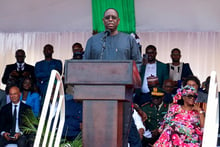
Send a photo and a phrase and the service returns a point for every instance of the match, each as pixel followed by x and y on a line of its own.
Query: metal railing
pixel 54 105
pixel 212 114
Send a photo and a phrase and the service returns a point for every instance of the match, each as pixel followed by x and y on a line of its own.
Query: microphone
pixel 106 33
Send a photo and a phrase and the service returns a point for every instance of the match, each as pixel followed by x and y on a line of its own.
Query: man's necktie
pixel 19 67
pixel 14 120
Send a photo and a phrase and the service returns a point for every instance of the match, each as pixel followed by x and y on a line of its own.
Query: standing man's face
pixel 151 55
pixel 20 56
pixel 77 48
pixel 175 56
pixel 111 20
pixel 48 52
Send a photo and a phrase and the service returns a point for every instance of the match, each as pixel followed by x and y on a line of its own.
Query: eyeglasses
pixel 174 54
pixel 111 16
pixel 192 96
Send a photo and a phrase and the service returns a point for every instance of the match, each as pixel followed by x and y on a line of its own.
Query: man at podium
pixel 114 45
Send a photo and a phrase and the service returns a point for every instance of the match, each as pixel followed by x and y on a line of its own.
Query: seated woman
pixel 183 123
pixel 29 96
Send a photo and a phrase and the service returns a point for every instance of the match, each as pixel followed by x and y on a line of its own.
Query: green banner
pixel 125 9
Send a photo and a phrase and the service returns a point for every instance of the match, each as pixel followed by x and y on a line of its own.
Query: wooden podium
pixel 106 89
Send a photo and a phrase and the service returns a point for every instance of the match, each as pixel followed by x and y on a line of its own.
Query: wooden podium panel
pixel 106 89
pixel 104 122
pixel 101 72
pixel 102 92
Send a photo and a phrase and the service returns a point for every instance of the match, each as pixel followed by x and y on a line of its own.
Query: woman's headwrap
pixel 184 91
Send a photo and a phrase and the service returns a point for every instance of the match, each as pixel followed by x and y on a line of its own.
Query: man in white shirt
pixel 178 71
pixel 153 73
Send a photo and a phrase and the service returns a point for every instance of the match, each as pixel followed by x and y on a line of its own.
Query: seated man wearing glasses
pixel 18 70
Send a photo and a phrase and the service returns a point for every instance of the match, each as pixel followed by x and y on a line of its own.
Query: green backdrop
pixel 125 9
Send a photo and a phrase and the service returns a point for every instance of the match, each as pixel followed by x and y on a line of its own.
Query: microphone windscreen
pixel 107 32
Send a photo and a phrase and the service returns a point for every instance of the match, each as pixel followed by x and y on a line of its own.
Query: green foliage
pixel 30 122
pixel 77 142
pixel 30 127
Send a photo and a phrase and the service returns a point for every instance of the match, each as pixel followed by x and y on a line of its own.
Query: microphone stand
pixel 106 33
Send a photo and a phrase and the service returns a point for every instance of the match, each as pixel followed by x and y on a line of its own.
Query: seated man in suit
pixel 18 70
pixel 11 120
pixel 178 71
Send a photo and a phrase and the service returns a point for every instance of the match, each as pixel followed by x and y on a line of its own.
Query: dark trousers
pixel 21 141
pixel 134 137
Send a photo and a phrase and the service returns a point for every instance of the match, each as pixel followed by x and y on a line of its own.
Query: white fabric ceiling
pixel 75 15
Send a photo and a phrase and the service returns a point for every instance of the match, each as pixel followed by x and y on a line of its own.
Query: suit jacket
pixel 9 68
pixel 162 72
pixel 186 71
pixel 2 98
pixel 6 116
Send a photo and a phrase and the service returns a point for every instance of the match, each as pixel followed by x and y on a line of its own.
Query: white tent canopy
pixel 76 15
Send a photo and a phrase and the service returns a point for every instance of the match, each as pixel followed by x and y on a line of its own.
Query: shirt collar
pixel 22 64
pixel 18 104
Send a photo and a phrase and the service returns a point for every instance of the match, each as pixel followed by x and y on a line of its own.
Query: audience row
pixel 157 78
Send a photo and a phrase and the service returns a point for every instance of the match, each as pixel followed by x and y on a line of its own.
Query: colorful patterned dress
pixel 180 128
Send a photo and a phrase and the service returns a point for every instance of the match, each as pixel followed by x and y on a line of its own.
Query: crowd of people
pixel 169 108
pixel 31 84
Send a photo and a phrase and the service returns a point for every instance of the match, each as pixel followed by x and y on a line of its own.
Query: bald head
pixel 14 93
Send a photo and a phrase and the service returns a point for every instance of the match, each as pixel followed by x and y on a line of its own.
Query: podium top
pixel 102 72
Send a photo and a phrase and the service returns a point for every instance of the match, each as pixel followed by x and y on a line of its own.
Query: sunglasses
pixel 111 16
pixel 192 96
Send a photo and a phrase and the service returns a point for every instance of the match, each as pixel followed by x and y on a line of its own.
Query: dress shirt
pixel 20 66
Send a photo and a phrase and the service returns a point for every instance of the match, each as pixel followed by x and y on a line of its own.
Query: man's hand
pixel 155 133
pixel 26 74
pixel 14 73
pixel 143 115
pixel 6 136
pixel 141 133
pixel 16 136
